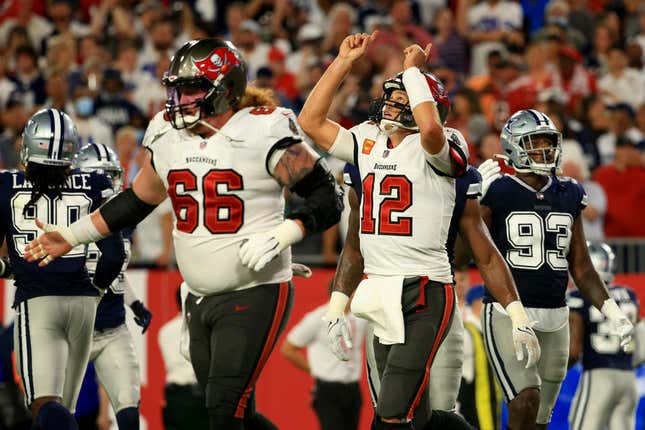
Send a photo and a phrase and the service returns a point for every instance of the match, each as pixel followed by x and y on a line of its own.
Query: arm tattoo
pixel 350 264
pixel 296 162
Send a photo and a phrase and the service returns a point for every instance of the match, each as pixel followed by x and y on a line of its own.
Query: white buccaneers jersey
pixel 222 193
pixel 406 207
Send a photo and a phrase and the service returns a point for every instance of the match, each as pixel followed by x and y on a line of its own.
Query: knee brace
pixel 54 416
pixel 128 419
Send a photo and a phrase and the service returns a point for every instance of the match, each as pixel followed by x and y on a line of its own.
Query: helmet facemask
pixel 403 119
pixel 187 115
pixel 541 160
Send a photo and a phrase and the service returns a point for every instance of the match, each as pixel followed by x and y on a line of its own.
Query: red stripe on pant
pixel 281 306
pixel 447 311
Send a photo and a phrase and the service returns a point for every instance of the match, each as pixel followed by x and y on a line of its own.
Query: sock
pixel 258 422
pixel 128 419
pixel 444 420
pixel 54 416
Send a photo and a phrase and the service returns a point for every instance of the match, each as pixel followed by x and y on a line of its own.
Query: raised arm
pixel 313 116
pixel 126 209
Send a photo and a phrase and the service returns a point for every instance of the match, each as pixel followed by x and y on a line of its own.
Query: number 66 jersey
pixel 222 191
pixel 532 230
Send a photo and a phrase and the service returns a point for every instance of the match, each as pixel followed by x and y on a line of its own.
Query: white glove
pixel 338 336
pixel 301 270
pixel 257 251
pixel 523 335
pixel 490 171
pixel 621 325
pixel 184 333
pixel 340 341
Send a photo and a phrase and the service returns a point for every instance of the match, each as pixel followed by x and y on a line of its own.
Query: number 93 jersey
pixel 532 230
pixel 222 193
pixel 407 207
pixel 601 348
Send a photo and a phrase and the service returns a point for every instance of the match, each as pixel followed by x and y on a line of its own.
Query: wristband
pixel 81 232
pixel 416 87
pixel 611 310
pixel 287 233
pixel 516 312
pixel 337 303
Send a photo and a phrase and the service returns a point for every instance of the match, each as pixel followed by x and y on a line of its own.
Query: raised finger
pixel 428 48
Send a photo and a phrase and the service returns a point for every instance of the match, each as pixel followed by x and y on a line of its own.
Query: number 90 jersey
pixel 532 230
pixel 406 207
pixel 222 192
pixel 601 348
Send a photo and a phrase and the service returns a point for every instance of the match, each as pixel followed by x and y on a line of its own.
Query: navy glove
pixel 142 315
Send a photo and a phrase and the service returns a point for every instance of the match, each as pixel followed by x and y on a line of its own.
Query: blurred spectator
pixel 14 117
pixel 593 216
pixel 247 39
pixel 160 43
pixel 127 148
pixel 264 78
pixel 184 399
pixel 90 128
pixel 466 116
pixel 557 25
pixel 622 84
pixel 127 63
pixel 595 123
pixel 581 18
pixel 572 77
pixel 336 394
pixel 635 58
pixel 18 38
pixel 602 43
pixel 624 184
pixel 621 123
pixel 57 92
pixel 284 82
pixel 37 27
pixel 61 14
pixel 7 86
pixel 533 11
pixel 489 146
pixel 29 82
pixel 152 246
pixel 150 95
pixel 449 44
pixel 640 119
pixel 340 23
pixel 61 54
pixel 640 37
pixel 235 16
pixel 524 91
pixel 491 23
pixel 111 105
pixel 408 31
pixel 309 39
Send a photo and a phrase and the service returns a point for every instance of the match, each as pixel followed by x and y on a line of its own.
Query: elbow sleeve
pixel 323 199
pixel 125 210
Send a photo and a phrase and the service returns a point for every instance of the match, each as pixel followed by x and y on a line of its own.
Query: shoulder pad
pixel 157 127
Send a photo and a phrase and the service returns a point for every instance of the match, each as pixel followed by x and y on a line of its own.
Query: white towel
pixel 378 299
pixel 184 335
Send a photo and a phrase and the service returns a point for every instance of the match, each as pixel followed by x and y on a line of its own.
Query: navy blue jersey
pixel 600 348
pixel 532 230
pixel 111 310
pixel 65 276
pixel 468 186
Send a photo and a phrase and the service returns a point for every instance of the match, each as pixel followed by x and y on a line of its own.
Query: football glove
pixel 142 316
pixel 257 251
pixel 339 338
pixel 523 335
pixel 621 325
pixel 490 171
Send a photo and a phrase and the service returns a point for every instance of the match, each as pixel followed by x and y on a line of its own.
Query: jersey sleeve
pixel 581 198
pixel 281 130
pixel 474 179
pixel 102 183
pixel 157 127
pixel 305 331
pixel 452 160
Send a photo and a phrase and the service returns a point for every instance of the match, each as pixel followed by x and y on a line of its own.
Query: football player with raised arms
pixel 607 395
pixel 534 219
pixel 55 304
pixel 224 158
pixel 115 359
pixel 407 169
